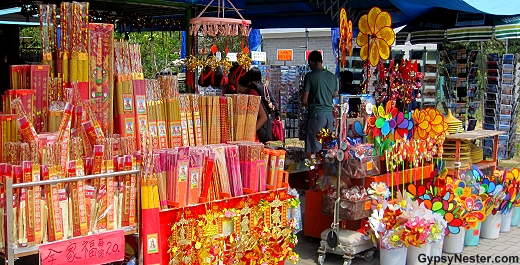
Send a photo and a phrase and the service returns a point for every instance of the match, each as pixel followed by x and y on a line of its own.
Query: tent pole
pixel 482 75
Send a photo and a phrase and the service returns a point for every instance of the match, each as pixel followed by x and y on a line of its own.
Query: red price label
pixel 87 250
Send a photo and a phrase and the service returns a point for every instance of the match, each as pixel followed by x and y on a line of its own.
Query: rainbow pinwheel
pixel 404 125
pixel 376 36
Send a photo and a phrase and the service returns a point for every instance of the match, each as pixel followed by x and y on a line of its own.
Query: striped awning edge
pixel 483 33
pixel 427 36
pixel 401 37
pixel 503 32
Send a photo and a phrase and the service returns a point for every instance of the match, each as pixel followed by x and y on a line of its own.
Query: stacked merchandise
pixel 61 211
pixel 507 103
pixel 458 96
pixel 500 104
pixel 492 108
pixel 508 106
pixel 474 90
pixel 287 85
pixel 191 175
pixel 302 118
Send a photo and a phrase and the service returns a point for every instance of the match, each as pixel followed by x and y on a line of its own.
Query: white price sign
pixel 259 56
pixel 232 56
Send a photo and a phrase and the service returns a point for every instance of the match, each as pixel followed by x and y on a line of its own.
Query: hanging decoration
pixel 345 41
pixel 376 36
pixel 219 26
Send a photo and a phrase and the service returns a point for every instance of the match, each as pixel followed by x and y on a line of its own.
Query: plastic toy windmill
pixel 345 39
pixel 375 36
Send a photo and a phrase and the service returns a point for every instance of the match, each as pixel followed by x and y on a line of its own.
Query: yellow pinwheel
pixel 375 35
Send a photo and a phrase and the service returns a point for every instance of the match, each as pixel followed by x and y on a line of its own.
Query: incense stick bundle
pixel 66 30
pixel 251 117
pixel 222 171
pixel 48 28
pixel 195 176
pixel 160 167
pixel 224 122
pixel 101 84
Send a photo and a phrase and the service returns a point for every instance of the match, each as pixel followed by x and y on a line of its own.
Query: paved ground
pixel 508 244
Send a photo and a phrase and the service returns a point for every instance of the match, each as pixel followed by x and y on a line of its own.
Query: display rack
pixel 470 136
pixel 12 252
pixel 428 66
pixel 501 103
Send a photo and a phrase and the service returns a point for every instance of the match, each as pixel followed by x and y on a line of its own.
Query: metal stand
pixel 12 251
pixel 332 245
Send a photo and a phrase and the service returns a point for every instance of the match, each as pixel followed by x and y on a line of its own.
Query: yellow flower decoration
pixel 376 34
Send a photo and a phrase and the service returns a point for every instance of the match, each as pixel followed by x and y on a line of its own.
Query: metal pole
pixel 9 258
pixel 482 63
pixel 65 180
pixel 507 45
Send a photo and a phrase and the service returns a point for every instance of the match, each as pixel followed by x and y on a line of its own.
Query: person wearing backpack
pixel 264 132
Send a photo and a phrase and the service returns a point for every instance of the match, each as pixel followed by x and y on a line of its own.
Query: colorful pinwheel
pixel 404 125
pixel 375 36
pixel 429 122
pixel 345 41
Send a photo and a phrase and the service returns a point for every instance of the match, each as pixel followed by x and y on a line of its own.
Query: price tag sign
pixel 87 250
pixel 285 54
pixel 259 56
pixel 232 56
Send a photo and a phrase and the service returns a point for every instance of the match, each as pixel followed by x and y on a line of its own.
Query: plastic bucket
pixel 436 248
pixel 392 256
pixel 516 216
pixel 418 256
pixel 454 243
pixel 505 222
pixel 472 236
pixel 491 226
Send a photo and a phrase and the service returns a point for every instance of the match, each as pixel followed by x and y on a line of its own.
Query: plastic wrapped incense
pixel 48 34
pixel 65 210
pixel 162 182
pixel 37 194
pixel 224 122
pixel 101 83
pixel 223 185
pixel 195 181
pixel 182 176
pixel 66 21
pixel 251 117
pixel 233 167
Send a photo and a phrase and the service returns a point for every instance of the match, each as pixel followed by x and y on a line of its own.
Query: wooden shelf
pixel 481 165
pixel 417 173
pixel 473 135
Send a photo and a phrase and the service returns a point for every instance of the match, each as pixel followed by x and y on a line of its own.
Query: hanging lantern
pixel 220 26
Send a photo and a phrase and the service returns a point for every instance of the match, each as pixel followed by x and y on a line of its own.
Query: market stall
pixel 92 152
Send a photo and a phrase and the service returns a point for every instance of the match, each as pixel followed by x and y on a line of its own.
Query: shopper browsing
pixel 320 87
pixel 264 132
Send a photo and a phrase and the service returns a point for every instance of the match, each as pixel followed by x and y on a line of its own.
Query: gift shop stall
pixel 411 178
pixel 97 160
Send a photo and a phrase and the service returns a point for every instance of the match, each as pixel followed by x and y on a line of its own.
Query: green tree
pixel 158 49
pixel 30 37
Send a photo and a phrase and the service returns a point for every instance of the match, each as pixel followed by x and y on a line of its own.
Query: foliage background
pixel 158 49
